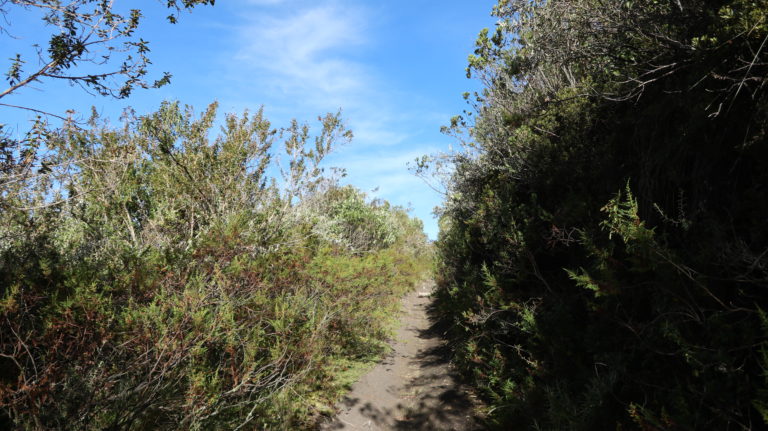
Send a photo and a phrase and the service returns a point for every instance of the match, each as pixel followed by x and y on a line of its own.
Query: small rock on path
pixel 414 387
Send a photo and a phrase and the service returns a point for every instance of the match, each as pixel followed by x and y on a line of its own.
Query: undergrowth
pixel 603 247
pixel 154 277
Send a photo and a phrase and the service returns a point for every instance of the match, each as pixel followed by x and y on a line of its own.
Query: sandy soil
pixel 414 387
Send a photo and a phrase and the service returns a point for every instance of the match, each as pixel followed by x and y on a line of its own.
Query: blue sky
pixel 396 69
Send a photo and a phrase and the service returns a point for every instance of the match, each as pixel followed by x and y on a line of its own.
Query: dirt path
pixel 413 388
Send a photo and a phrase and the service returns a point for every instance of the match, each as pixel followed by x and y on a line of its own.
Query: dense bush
pixel 344 217
pixel 152 276
pixel 603 243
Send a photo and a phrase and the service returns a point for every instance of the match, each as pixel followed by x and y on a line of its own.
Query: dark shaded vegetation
pixel 604 245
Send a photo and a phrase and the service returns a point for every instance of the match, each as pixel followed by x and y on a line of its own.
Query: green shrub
pixel 177 284
pixel 602 244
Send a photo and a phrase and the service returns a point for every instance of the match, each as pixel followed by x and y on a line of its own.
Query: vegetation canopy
pixel 165 279
pixel 603 243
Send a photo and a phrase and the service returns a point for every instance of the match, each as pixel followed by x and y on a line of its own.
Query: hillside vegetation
pixel 159 275
pixel 604 245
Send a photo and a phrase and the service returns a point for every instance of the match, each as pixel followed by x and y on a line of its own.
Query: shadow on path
pixel 414 387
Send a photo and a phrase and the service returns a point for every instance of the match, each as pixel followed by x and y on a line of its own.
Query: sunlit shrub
pixel 180 285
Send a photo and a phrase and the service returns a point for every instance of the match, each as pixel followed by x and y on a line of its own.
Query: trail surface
pixel 414 387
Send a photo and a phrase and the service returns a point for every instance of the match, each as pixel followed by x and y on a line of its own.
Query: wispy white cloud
pixel 372 132
pixel 384 171
pixel 303 52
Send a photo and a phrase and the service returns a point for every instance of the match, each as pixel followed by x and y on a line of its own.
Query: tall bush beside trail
pixel 602 243
pixel 342 216
pixel 159 277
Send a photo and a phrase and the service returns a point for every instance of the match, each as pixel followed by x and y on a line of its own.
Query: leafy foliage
pixel 157 276
pixel 90 43
pixel 88 35
pixel 602 245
